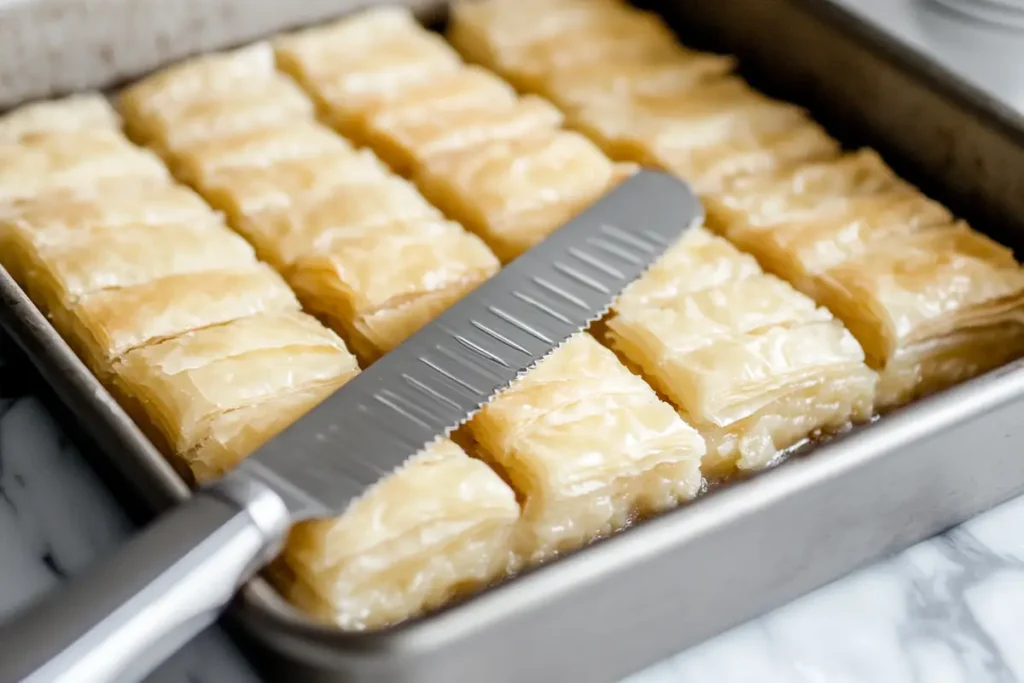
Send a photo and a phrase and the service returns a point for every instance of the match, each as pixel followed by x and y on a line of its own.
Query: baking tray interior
pixel 737 552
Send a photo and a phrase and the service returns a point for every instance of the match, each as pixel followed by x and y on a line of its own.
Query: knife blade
pixel 126 616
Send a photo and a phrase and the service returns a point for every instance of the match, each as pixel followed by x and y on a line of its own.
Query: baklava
pixel 494 161
pixel 754 365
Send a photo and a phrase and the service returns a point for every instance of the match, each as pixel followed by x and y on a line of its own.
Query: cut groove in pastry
pixel 588 446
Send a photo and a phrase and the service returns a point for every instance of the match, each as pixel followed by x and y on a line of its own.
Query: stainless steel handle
pixel 132 611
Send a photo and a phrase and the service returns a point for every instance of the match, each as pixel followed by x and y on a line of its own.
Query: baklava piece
pixel 191 389
pixel 588 446
pixel 931 302
pixel 622 79
pixel 358 62
pixel 932 308
pixel 382 284
pixel 801 223
pixel 72 160
pixel 526 46
pixel 434 530
pixel 260 147
pixel 210 97
pixel 515 193
pixel 753 364
pixel 89 111
pixel 363 248
pixel 456 108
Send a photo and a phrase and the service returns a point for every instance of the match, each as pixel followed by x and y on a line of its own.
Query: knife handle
pixel 133 610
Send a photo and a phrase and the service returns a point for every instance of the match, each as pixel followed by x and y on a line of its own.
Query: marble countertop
pixel 949 610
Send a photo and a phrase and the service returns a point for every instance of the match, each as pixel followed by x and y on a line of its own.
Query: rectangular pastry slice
pixel 261 147
pixel 432 531
pixel 931 308
pixel 210 76
pixel 246 191
pixel 580 86
pixel 105 325
pixel 754 365
pixel 407 140
pixel 212 96
pixel 380 285
pixel 88 111
pixel 468 87
pixel 58 215
pixel 710 114
pixel 524 46
pixel 185 386
pixel 347 212
pixel 710 168
pixel 361 60
pixel 57 274
pixel 72 159
pixel 588 446
pixel 514 193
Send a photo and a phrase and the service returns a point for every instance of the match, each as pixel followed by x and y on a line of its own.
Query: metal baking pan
pixel 671 582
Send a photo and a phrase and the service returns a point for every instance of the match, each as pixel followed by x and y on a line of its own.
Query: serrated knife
pixel 134 610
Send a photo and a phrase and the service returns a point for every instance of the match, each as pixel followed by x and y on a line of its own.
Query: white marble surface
pixel 950 610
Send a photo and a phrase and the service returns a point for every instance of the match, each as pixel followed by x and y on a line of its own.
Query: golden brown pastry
pixel 946 290
pixel 58 215
pixel 316 222
pixel 524 46
pixel 577 87
pixel 88 111
pixel 382 284
pixel 212 96
pixel 754 365
pixel 468 87
pixel 407 139
pixel 438 527
pixel 58 273
pixel 71 159
pixel 188 384
pixel 588 446
pixel 246 191
pixel 515 193
pixel 259 147
pixel 358 61
pixel 105 325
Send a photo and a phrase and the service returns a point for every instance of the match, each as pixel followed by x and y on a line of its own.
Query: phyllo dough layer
pixel 621 77
pixel 496 162
pixel 515 193
pixel 931 301
pixel 437 528
pixel 362 247
pixel 588 446
pixel 87 111
pixel 753 364
pixel 189 385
